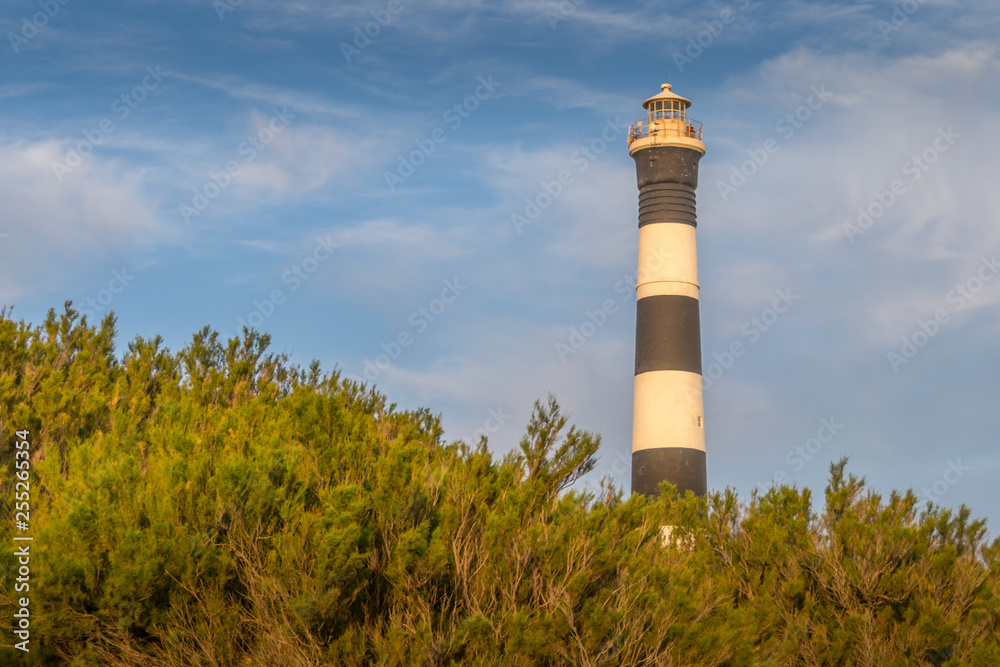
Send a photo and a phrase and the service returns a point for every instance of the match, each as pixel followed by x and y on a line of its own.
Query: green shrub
pixel 220 506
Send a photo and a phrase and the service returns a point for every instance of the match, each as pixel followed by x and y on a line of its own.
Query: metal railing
pixel 680 127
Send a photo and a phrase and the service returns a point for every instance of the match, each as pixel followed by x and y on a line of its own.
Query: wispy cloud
pixel 56 230
pixel 299 100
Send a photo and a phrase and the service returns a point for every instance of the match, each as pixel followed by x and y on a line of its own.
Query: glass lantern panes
pixel 661 109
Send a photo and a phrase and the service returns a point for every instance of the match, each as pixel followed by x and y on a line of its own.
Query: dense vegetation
pixel 220 506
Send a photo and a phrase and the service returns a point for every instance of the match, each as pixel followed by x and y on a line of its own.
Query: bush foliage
pixel 221 506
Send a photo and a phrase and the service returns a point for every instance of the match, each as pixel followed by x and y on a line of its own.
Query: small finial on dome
pixel 665 86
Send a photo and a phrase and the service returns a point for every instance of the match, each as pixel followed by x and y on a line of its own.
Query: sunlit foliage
pixel 221 506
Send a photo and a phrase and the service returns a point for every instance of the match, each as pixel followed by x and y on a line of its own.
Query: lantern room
pixel 666 105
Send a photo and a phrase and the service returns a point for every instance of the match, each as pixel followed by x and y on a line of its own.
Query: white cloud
pixel 303 158
pixel 16 90
pixel 303 101
pixel 591 220
pixel 393 236
pixel 98 214
pixel 903 265
pixel 510 362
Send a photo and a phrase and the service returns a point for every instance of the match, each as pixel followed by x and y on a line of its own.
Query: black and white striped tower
pixel 668 427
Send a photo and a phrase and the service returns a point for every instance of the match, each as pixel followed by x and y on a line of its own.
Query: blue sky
pixel 195 162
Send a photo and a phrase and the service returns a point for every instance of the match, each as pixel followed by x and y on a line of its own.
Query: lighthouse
pixel 668 425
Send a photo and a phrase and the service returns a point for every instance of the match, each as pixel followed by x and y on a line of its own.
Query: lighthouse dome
pixel 666 95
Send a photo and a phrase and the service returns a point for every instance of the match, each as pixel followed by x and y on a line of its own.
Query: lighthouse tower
pixel 668 427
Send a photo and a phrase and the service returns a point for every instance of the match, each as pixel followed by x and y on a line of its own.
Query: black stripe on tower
pixel 667 202
pixel 667 164
pixel 688 471
pixel 667 334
